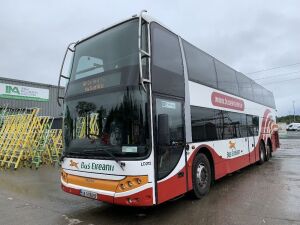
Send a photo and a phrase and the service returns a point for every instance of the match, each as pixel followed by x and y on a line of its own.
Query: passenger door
pixel 169 148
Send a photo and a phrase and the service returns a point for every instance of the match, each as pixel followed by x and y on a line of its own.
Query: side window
pixel 268 98
pixel 255 121
pixel 231 127
pixel 200 65
pixel 271 100
pixel 226 78
pixel 166 52
pixel 245 87
pixel 258 93
pixel 174 111
pixel 252 125
pixel 170 134
pixel 203 124
pixel 167 67
pixel 243 125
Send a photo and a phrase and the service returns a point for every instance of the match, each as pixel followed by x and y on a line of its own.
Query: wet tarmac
pixel 267 194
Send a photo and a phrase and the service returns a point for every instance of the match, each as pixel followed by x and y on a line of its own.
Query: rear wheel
pixel 201 176
pixel 270 147
pixel 262 153
pixel 268 152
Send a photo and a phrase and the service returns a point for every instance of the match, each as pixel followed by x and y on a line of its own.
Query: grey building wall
pixel 49 108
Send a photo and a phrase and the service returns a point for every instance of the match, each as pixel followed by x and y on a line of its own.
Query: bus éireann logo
pixel 74 164
pixel 231 144
pixel 11 90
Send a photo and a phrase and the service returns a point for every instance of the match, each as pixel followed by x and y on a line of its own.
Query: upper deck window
pixel 245 87
pixel 167 67
pixel 111 50
pixel 166 50
pixel 200 66
pixel 226 78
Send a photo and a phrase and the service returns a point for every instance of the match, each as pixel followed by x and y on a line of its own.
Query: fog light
pixel 138 180
pixel 122 186
pixel 129 183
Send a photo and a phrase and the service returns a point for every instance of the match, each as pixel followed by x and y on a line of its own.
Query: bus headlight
pixel 131 182
pixel 138 180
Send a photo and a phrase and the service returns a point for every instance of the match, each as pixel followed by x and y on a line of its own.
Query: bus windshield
pixel 105 107
pixel 110 50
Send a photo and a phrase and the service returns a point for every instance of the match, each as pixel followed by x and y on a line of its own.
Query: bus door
pixel 170 156
pixel 251 138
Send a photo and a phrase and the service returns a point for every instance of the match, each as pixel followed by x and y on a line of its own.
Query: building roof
pixel 28 82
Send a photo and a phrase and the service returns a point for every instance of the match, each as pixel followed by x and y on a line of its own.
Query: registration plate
pixel 88 194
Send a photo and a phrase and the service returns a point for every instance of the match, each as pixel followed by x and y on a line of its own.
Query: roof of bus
pixel 145 17
pixel 149 19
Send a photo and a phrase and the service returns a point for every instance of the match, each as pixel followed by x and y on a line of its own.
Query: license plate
pixel 88 194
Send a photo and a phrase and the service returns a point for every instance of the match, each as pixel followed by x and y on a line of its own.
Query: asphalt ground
pixel 266 194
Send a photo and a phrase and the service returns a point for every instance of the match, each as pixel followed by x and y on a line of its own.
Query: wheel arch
pixel 204 150
pixel 263 142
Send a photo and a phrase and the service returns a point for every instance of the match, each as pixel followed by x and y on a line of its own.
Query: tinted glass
pixel 268 98
pixel 226 78
pixel 107 51
pixel 258 93
pixel 107 60
pixel 203 124
pixel 271 100
pixel 231 126
pixel 116 121
pixel 167 68
pixel 166 52
pixel 252 125
pixel 211 124
pixel 245 87
pixel 243 125
pixel 200 65
pixel 170 136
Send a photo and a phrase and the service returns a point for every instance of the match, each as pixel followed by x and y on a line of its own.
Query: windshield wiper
pixel 90 151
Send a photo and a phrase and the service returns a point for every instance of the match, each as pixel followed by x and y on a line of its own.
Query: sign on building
pixel 12 91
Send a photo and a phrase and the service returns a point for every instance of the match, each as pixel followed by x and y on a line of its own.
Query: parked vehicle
pixel 149 116
pixel 293 127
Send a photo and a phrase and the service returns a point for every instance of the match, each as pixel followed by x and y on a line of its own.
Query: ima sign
pixel 12 89
pixel 23 92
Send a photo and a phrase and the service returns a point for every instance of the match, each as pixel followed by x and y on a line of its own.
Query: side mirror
pixel 163 129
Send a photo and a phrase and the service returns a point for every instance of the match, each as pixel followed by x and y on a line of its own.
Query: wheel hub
pixel 202 175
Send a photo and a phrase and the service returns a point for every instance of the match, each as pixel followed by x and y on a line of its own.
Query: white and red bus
pixel 149 117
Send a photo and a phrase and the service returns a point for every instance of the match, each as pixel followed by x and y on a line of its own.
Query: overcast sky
pixel 247 35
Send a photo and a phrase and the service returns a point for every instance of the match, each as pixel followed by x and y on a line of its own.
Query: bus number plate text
pixel 88 194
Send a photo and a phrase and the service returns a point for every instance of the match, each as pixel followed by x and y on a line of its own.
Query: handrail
pixel 141 51
pixel 61 69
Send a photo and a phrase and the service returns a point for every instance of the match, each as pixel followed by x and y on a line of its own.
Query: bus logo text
pixel 97 166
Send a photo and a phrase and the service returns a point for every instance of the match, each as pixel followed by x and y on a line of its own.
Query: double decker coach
pixel 149 116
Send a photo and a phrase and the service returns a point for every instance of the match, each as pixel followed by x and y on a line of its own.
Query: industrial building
pixel 19 94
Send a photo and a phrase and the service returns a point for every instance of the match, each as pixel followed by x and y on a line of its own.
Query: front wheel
pixel 201 176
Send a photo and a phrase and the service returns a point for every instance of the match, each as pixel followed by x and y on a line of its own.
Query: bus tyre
pixel 268 152
pixel 201 176
pixel 270 149
pixel 262 153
